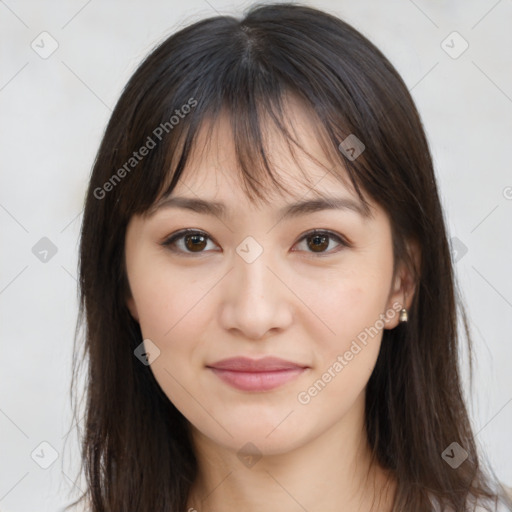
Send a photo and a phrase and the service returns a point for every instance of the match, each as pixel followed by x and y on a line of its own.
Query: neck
pixel 330 472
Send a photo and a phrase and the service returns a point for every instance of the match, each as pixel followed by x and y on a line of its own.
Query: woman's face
pixel 257 284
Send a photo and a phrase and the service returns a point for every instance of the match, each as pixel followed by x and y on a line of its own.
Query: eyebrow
pixel 297 209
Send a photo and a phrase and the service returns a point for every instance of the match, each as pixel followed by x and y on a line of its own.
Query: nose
pixel 256 300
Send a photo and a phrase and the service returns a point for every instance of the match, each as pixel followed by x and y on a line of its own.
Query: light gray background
pixel 53 113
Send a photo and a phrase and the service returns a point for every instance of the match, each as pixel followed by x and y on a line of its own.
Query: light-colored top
pixel 501 507
pixel 478 506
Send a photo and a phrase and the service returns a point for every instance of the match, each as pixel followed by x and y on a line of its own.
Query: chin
pixel 260 438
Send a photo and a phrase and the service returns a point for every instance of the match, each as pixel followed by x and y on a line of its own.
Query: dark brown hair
pixel 136 449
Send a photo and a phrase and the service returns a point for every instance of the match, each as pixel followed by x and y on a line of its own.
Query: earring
pixel 403 312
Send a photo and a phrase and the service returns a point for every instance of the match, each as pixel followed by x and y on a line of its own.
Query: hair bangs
pixel 254 120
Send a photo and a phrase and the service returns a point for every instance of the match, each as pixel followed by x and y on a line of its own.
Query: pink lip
pixel 256 374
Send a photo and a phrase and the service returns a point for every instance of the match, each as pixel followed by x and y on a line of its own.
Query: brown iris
pixel 195 242
pixel 320 242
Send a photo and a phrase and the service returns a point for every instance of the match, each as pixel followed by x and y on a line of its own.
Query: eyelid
pixel 169 240
pixel 340 239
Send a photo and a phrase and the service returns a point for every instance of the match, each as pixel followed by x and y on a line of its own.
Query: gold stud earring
pixel 403 312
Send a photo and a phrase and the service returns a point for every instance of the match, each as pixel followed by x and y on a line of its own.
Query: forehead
pixel 307 166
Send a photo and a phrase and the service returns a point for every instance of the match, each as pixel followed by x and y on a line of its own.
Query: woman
pixel 266 284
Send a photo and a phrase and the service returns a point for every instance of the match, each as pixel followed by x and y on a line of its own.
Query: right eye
pixel 187 241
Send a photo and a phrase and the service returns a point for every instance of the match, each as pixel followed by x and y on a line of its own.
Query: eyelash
pixel 170 242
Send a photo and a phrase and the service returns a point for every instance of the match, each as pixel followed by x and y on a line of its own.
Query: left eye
pixel 319 241
pixel 195 241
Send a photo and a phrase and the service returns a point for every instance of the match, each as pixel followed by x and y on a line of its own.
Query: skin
pixel 290 302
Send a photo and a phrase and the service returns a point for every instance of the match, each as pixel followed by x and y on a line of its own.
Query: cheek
pixel 346 358
pixel 166 299
pixel 154 308
pixel 171 307
pixel 353 303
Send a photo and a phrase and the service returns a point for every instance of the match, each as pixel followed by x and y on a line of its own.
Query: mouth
pixel 256 374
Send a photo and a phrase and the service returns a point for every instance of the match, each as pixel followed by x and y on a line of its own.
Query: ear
pixel 403 287
pixel 130 303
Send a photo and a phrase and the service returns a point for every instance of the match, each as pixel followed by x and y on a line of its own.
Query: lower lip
pixel 257 381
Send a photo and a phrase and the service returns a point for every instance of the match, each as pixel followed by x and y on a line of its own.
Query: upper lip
pixel 246 364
